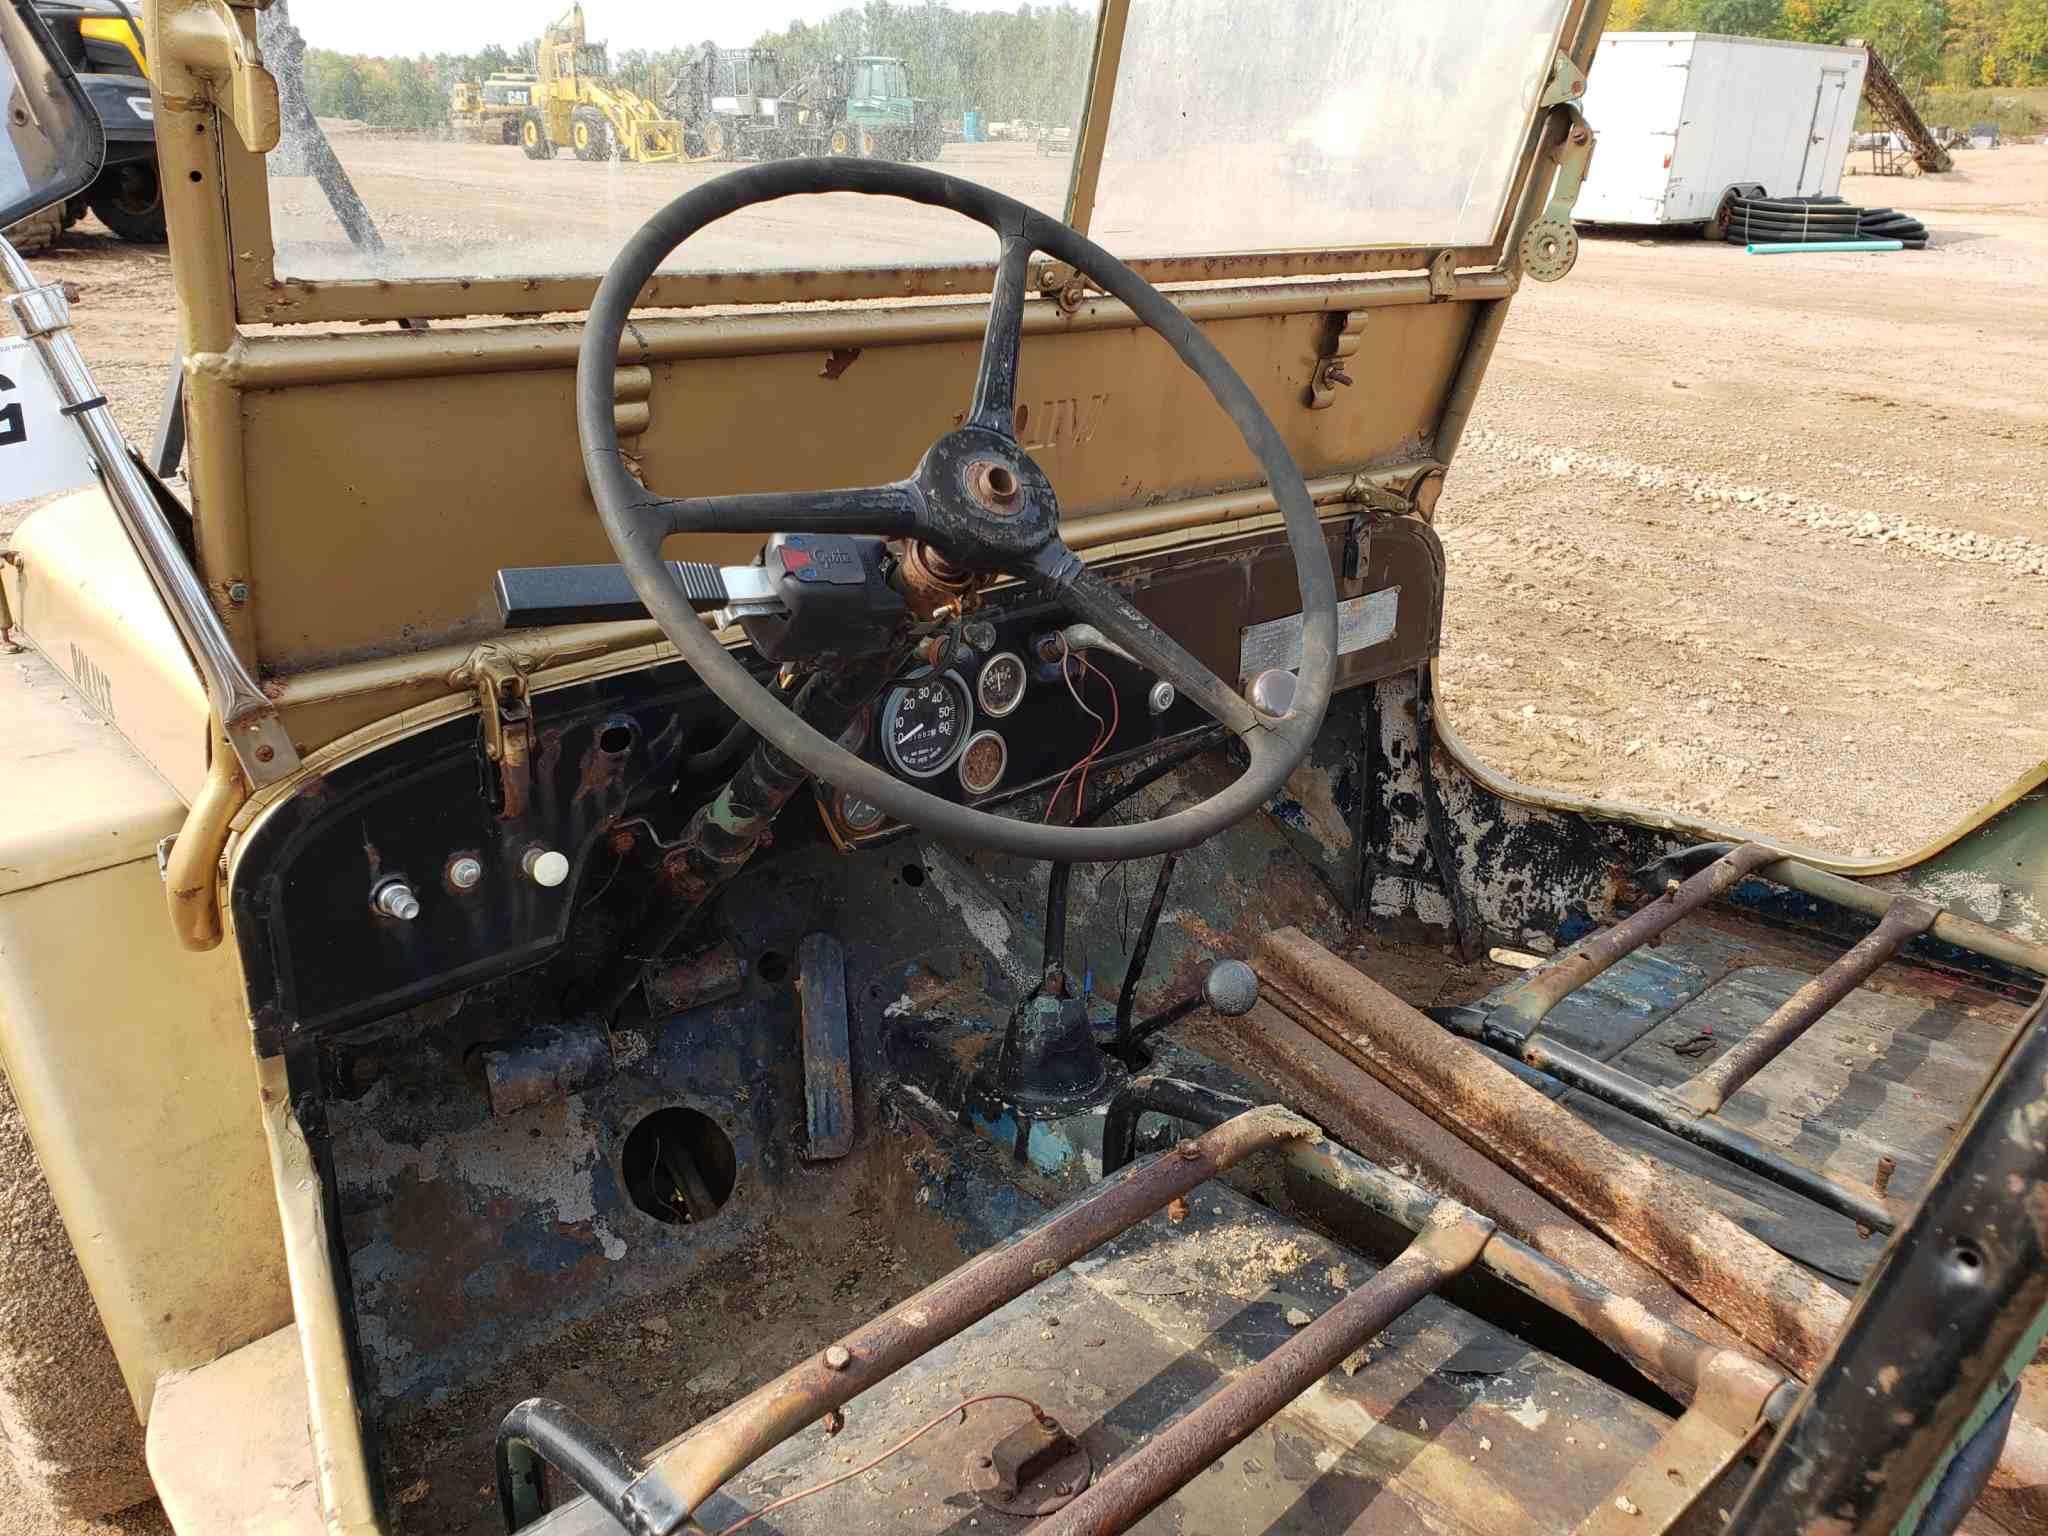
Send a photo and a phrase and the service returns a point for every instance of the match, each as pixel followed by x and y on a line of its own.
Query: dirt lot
pixel 1758 537
pixel 1763 537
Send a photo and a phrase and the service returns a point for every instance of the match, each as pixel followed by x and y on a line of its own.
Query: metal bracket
pixel 1443 277
pixel 1550 246
pixel 506 709
pixel 1330 373
pixel 1567 83
pixel 1366 491
pixel 1067 285
pixel 1725 1420
pixel 202 55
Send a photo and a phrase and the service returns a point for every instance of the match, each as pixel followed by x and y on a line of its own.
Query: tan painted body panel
pixel 130 1059
pixel 455 472
pixel 78 590
pixel 256 1482
pixel 75 797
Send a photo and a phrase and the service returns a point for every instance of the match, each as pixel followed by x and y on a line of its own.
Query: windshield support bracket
pixel 207 58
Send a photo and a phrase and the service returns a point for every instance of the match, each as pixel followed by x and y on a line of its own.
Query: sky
pixel 462 26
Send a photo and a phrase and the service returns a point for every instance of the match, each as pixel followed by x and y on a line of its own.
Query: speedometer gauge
pixel 924 724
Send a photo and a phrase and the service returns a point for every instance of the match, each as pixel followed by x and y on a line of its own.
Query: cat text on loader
pixel 578 107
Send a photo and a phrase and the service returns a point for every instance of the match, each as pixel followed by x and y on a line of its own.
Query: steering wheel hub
pixel 994 487
pixel 976 507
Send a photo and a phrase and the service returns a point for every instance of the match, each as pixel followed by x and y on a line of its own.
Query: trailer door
pixel 1827 107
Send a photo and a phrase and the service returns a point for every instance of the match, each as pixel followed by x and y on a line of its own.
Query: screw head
pixel 465 873
pixel 838 1358
pixel 394 898
pixel 1161 698
pixel 238 592
pixel 265 752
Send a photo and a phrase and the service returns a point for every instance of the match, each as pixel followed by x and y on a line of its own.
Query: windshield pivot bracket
pixel 208 58
pixel 1332 368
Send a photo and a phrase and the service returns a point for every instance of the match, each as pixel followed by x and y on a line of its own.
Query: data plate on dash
pixel 1361 621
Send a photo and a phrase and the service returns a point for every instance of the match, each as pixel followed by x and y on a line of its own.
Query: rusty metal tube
pixel 1139 1483
pixel 1963 932
pixel 1661 1349
pixel 696 1466
pixel 1361 1112
pixel 1708 1090
pixel 1651 1336
pixel 1526 1004
pixel 1773 1303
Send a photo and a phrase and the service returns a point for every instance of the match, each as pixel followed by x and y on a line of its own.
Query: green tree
pixel 2022 51
pixel 1907 35
pixel 334 84
pixel 1818 21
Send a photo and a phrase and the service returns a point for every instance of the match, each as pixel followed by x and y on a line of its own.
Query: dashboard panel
pixel 328 943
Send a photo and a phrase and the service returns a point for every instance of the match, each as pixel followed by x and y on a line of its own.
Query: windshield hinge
pixel 1567 83
pixel 506 710
pixel 1550 246
pixel 1331 372
pixel 207 57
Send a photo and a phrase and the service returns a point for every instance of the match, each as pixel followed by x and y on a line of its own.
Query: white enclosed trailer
pixel 1680 118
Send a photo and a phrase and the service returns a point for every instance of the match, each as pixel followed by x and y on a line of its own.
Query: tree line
pixel 1028 63
pixel 1956 44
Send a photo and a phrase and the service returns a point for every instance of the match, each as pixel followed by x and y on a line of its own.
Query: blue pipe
pixel 1797 248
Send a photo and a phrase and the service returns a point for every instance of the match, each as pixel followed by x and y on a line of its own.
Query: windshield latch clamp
pixel 505 708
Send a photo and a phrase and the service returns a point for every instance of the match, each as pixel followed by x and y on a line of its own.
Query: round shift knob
pixel 1232 987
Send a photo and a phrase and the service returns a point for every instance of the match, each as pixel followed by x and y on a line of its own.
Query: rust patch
pixel 710 977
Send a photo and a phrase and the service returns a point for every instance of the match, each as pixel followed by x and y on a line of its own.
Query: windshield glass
pixel 1319 125
pixel 1291 124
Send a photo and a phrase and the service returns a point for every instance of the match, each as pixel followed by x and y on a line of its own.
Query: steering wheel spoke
pixel 995 380
pixel 1063 575
pixel 884 511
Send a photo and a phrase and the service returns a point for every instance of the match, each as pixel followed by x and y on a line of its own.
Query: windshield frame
pixel 263 296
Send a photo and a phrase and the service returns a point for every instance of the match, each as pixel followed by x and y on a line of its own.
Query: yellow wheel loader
pixel 578 107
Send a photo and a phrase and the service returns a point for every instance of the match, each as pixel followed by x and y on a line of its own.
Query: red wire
pixel 1116 719
pixel 908 1440
pixel 1060 788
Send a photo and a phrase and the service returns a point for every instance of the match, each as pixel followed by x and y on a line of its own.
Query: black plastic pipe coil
pixel 1805 220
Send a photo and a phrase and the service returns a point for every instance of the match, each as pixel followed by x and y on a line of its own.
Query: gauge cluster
pixel 999 718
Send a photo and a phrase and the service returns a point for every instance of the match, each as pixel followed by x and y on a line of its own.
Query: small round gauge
pixel 1000 688
pixel 982 764
pixel 924 724
pixel 859 816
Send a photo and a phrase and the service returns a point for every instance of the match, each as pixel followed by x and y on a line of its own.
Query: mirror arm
pixel 258 737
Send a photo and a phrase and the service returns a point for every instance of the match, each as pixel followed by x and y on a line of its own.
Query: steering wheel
pixel 976 498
